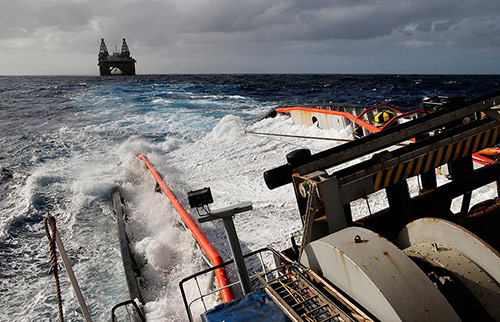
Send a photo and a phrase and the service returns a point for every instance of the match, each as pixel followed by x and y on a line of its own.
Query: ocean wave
pixel 68 140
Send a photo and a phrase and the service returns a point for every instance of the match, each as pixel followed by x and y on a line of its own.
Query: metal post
pixel 428 178
pixel 234 243
pixel 227 214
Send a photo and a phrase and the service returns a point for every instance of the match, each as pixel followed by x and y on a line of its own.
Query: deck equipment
pixel 416 260
pixel 390 261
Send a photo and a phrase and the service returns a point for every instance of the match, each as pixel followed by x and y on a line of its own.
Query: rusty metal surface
pixel 430 230
pixel 484 220
pixel 482 286
pixel 377 275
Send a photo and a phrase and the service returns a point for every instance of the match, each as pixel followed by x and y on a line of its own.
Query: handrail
pixel 202 240
pixel 220 266
pixel 138 311
pixel 415 111
pixel 363 123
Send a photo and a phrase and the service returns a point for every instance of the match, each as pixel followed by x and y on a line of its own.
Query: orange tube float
pixel 202 240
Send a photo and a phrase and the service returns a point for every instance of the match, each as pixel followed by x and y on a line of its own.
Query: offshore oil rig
pixel 120 62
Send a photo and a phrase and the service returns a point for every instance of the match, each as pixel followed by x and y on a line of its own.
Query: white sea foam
pixel 78 161
pixel 162 101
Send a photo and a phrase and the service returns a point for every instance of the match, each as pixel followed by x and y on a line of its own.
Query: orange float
pixel 202 240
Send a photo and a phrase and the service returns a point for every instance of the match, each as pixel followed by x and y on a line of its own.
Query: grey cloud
pixel 193 28
pixel 25 17
pixel 442 26
pixel 278 20
pixel 424 26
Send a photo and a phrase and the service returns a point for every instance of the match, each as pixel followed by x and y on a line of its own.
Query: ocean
pixel 67 141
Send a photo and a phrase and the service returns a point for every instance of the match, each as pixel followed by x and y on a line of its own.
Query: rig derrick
pixel 122 61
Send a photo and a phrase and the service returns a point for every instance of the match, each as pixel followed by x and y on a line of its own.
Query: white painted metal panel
pixel 377 275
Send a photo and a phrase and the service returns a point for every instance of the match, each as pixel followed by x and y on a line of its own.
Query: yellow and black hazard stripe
pixel 434 159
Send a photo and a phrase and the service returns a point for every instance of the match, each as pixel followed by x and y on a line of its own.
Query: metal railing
pixel 264 271
pixel 138 311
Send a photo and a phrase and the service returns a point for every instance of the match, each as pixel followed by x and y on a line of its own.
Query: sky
pixel 62 37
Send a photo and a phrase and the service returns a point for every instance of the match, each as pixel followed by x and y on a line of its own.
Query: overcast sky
pixel 253 36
